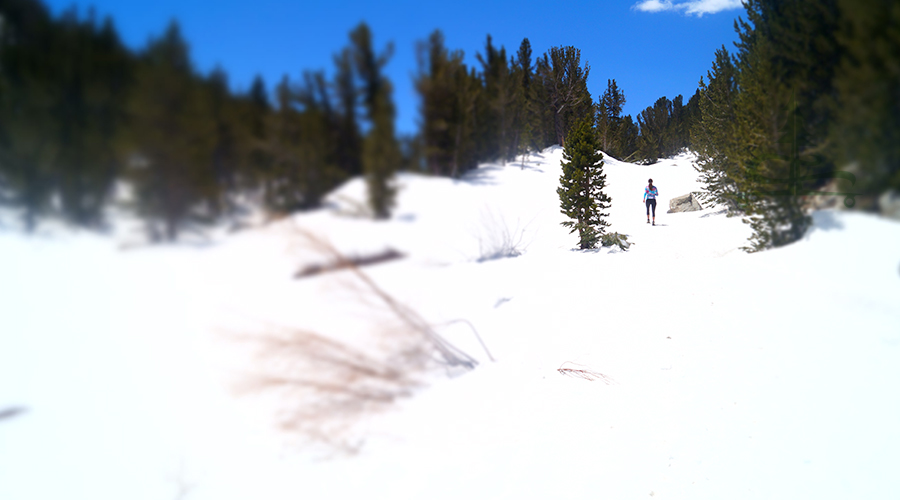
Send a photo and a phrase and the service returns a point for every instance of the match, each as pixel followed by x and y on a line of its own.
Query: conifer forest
pixel 82 118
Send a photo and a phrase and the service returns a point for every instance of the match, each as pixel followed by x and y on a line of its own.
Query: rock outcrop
pixel 889 204
pixel 684 203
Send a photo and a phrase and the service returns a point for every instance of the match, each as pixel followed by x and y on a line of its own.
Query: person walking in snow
pixel 650 194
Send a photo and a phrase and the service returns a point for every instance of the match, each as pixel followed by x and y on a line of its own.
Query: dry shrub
pixel 581 371
pixel 497 240
pixel 409 320
pixel 324 387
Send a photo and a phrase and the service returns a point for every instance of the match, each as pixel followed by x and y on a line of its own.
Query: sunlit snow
pixel 725 374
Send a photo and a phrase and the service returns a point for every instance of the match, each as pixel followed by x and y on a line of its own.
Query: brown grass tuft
pixel 580 371
pixel 324 388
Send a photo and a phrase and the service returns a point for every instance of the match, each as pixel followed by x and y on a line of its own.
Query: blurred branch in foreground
pixel 11 412
pixel 325 387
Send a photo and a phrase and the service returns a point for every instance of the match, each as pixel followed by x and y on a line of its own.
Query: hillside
pixel 716 373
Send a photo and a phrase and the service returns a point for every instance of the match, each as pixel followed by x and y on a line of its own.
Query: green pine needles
pixel 581 196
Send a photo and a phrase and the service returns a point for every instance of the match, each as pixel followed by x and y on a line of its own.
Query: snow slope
pixel 730 375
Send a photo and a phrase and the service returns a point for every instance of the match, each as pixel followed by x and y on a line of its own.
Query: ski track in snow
pixel 730 375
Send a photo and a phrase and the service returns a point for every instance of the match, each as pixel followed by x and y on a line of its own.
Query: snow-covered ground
pixel 727 375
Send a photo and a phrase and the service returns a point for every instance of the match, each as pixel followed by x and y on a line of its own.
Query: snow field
pixel 769 375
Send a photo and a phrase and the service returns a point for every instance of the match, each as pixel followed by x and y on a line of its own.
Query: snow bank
pixel 769 375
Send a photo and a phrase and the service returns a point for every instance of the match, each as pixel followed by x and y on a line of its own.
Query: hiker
pixel 650 194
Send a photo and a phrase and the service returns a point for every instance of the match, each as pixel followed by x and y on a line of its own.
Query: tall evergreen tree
pixel 284 186
pixel 654 123
pixel 93 82
pixel 170 139
pixel 468 95
pixel 309 144
pixel 714 134
pixel 609 118
pixel 786 59
pixel 225 155
pixel 581 194
pixel 381 152
pixel 565 81
pixel 866 131
pixel 63 88
pixel 451 94
pixel 629 138
pixel 676 132
pixel 524 100
pixel 691 116
pixel 256 160
pixel 498 114
pixel 435 90
pixel 769 181
pixel 348 139
pixel 28 152
pixel 543 112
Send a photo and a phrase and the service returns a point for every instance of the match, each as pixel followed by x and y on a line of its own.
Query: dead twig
pixel 452 356
pixel 367 260
pixel 474 332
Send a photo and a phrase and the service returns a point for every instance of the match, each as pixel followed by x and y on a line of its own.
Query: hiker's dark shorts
pixel 651 202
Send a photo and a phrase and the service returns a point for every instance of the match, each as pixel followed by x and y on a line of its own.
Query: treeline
pixel 808 99
pixel 504 108
pixel 80 115
pixel 511 105
pixel 84 121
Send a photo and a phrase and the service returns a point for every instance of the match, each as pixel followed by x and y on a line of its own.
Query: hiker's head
pixel 650 181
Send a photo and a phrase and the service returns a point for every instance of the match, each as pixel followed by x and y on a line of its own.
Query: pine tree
pixel 524 100
pixel 92 90
pixel 581 193
pixel 62 90
pixel 691 116
pixel 348 138
pixel 441 84
pixel 304 141
pixel 786 59
pixel 629 138
pixel 565 83
pixel 170 140
pixel 609 118
pixel 866 131
pixel 543 114
pixel 28 94
pixel 224 158
pixel 655 126
pixel 676 140
pixel 714 135
pixel 468 94
pixel 381 153
pixel 496 117
pixel 766 113
pixel 435 91
pixel 255 111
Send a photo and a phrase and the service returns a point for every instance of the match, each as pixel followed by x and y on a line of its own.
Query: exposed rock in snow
pixel 684 203
pixel 889 204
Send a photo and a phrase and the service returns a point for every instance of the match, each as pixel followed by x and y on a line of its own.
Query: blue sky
pixel 651 48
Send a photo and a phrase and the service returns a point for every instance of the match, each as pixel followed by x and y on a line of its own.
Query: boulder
pixel 889 204
pixel 684 203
